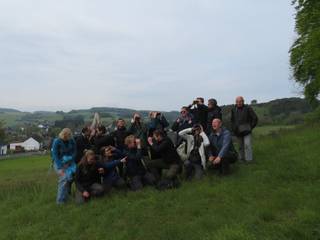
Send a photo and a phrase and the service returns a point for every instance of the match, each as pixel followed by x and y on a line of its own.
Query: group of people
pixel 145 155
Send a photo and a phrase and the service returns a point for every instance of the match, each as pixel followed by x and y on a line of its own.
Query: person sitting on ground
pixel 157 122
pixel 87 178
pixel 83 142
pixel 168 166
pixel 243 121
pixel 184 121
pixel 110 159
pixel 135 170
pixel 102 139
pixel 214 111
pixel 63 153
pixel 197 141
pixel 221 151
pixel 199 111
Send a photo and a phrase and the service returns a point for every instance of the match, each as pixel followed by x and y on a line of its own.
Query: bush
pixel 313 117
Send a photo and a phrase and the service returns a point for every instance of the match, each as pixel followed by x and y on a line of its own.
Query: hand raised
pixel 150 140
pixel 86 194
pixel 124 160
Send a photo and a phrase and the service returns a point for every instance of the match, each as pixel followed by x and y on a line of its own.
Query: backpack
pixel 182 151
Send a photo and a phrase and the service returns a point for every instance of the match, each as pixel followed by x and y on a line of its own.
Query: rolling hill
pixel 287 111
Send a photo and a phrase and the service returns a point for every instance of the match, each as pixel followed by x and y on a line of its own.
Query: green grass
pixel 277 197
pixel 11 118
pixel 270 129
pixel 14 119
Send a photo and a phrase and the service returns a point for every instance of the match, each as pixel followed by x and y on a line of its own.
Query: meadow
pixel 276 197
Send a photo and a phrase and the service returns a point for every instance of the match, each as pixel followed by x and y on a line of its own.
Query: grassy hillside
pixel 277 197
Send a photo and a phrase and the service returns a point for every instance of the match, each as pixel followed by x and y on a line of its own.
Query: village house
pixel 29 145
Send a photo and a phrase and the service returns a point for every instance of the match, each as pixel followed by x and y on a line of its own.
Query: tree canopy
pixel 305 52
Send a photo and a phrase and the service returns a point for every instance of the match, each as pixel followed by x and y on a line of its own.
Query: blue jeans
pixel 64 185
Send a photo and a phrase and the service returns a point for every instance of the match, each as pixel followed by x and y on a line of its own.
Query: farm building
pixel 29 145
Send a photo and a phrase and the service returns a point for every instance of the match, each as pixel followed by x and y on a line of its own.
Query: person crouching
pixel 87 178
pixel 136 173
pixel 197 141
pixel 110 159
pixel 222 152
pixel 166 168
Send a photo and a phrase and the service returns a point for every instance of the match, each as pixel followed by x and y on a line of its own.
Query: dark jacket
pixel 158 123
pixel 167 151
pixel 111 173
pixel 139 130
pixel 86 175
pixel 213 113
pixel 200 113
pixel 134 164
pixel 102 141
pixel 243 116
pixel 110 166
pixel 119 136
pixel 82 143
pixel 183 123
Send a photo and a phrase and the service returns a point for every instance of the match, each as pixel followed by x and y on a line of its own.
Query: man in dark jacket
pixel 221 152
pixel 120 134
pixel 83 143
pixel 139 130
pixel 157 122
pixel 102 139
pixel 200 111
pixel 214 111
pixel 169 161
pixel 243 121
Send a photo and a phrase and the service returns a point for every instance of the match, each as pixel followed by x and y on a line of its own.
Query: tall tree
pixel 2 132
pixel 305 52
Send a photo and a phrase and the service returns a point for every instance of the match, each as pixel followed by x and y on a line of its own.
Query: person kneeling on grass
pixel 110 159
pixel 137 175
pixel 63 153
pixel 222 151
pixel 197 141
pixel 87 178
pixel 167 167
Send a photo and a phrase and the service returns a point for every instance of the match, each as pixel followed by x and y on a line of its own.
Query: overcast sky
pixel 143 54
